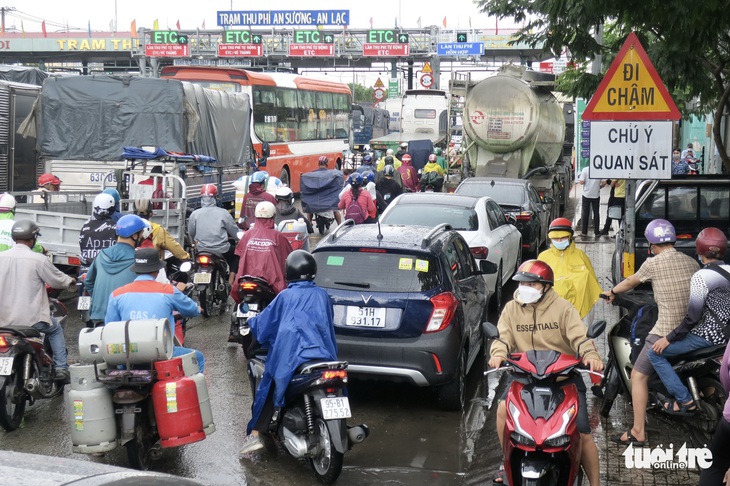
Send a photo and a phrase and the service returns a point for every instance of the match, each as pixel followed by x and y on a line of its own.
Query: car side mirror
pixel 486 267
pixel 547 200
pixel 596 329
pixel 490 330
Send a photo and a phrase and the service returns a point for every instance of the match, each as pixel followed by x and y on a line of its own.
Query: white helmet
pixel 284 193
pixel 389 152
pixel 147 231
pixel 103 201
pixel 366 147
pixel 265 210
pixel 7 203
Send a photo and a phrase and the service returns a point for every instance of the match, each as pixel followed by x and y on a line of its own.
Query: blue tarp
pixel 138 153
pixel 320 190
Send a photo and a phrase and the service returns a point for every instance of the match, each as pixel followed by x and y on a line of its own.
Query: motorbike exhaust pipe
pixel 358 433
pixel 694 391
pixel 31 386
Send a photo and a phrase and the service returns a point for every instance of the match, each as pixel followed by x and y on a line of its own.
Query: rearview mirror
pixel 265 150
pixel 486 267
pixel 596 329
pixel 547 200
pixel 186 267
pixel 614 212
pixel 490 330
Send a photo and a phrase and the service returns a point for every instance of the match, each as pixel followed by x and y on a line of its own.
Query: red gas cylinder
pixel 177 409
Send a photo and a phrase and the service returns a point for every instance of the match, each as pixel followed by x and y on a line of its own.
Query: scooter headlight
pixel 520 435
pixel 559 438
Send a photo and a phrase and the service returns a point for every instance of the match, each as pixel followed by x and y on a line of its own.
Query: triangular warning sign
pixel 631 89
pixel 379 84
pixel 427 68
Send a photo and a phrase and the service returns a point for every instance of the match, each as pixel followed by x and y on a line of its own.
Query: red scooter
pixel 542 445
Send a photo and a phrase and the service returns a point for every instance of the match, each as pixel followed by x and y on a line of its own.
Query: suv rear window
pixel 688 208
pixel 376 272
pixel 460 218
pixel 504 194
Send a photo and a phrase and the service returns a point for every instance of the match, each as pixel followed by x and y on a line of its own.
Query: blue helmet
pixel 368 175
pixel 130 224
pixel 367 159
pixel 355 180
pixel 259 177
pixel 113 193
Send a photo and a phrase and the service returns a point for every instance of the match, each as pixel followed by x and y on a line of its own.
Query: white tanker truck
pixel 514 127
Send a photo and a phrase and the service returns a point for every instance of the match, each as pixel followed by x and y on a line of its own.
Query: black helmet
pixel 25 230
pixel 300 265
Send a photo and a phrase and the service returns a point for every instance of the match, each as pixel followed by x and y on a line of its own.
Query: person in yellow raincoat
pixel 575 279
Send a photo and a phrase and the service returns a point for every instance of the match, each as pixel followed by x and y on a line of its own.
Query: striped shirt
pixel 670 273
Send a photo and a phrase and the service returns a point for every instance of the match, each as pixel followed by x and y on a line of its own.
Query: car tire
pixel 451 396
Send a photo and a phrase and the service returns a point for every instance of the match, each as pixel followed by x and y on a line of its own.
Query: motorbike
pixel 177 271
pixel 83 304
pixel 698 370
pixel 323 221
pixel 211 282
pixel 542 444
pixel 296 232
pixel 312 425
pixel 255 294
pixel 27 373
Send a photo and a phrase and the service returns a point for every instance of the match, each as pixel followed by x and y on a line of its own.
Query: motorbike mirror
pixel 186 267
pixel 490 330
pixel 596 329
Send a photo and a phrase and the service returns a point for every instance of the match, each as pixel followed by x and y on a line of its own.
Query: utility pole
pixel 2 16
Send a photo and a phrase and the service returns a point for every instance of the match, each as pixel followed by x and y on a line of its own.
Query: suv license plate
pixel 201 278
pixel 365 316
pixel 335 408
pixel 6 366
pixel 84 303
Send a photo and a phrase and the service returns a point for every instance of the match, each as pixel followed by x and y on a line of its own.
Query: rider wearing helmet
pixel 285 208
pixel 23 288
pixel 331 179
pixel 117 198
pixel 368 164
pixel 538 318
pixel 440 160
pixel 110 269
pixel 7 220
pixel 575 279
pixel 402 150
pixel 298 326
pixel 363 197
pixel 388 186
pixel 408 174
pixel 389 159
pixel 703 326
pixel 433 166
pixel 670 273
pixel 212 227
pixel 99 231
pixel 49 182
pixel 160 237
pixel 256 193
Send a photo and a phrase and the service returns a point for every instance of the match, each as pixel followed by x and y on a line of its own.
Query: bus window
pixel 264 113
pixel 308 121
pixel 342 108
pixel 326 107
pixel 286 115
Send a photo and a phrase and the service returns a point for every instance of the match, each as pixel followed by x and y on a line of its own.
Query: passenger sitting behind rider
pixel 539 319
pixel 298 326
pixel 256 194
pixel 285 209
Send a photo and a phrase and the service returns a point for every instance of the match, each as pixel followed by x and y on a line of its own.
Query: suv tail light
pixel 524 216
pixel 444 307
pixel 480 252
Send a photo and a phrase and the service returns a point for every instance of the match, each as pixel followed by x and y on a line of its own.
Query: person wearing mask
pixel 704 324
pixel 110 269
pixel 161 239
pixel 679 164
pixel 538 318
pixel 298 326
pixel 146 298
pixel 212 227
pixel 49 182
pixel 402 150
pixel 117 203
pixel 685 152
pixel 358 203
pixel 670 273
pixel 590 202
pixel 387 187
pixel 285 209
pixel 394 160
pixel 100 230
pixel 408 174
pixel 24 299
pixel 7 220
pixel 367 165
pixel 256 193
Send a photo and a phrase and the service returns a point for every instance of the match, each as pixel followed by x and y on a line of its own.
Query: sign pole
pixel 630 223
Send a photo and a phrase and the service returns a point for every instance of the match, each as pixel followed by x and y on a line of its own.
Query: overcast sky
pixel 78 13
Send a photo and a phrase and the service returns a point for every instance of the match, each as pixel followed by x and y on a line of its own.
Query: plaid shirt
pixel 670 274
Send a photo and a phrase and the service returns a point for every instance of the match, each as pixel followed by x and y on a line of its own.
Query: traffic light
pixel 461 37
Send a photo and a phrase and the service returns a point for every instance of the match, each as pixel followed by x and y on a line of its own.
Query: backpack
pixel 717 303
pixel 643 322
pixel 355 212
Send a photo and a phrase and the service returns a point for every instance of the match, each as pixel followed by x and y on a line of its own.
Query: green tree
pixel 688 42
pixel 360 93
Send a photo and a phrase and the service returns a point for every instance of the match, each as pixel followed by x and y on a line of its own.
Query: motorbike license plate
pixel 6 366
pixel 202 278
pixel 365 316
pixel 335 408
pixel 84 302
pixel 246 314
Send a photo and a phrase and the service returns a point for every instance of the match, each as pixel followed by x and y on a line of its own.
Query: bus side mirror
pixel 265 150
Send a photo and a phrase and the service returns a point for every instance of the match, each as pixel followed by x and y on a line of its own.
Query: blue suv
pixel 408 303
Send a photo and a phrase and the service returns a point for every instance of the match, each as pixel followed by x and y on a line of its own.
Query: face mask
pixel 561 245
pixel 528 295
pixel 675 156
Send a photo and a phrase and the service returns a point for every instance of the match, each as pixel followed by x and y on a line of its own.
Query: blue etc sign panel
pixel 460 48
pixel 279 18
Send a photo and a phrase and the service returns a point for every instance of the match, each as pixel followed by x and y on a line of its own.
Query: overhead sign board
pixel 386 50
pixel 278 18
pixel 240 37
pixel 240 50
pixel 460 48
pixel 167 50
pixel 631 89
pixel 630 150
pixel 386 37
pixel 313 37
pixel 167 37
pixel 312 50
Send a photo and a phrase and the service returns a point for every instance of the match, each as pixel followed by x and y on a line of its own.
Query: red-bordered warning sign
pixel 631 89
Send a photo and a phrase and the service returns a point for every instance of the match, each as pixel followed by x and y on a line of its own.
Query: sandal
pixel 499 477
pixel 682 409
pixel 630 439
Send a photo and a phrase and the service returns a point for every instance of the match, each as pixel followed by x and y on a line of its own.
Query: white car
pixel 491 234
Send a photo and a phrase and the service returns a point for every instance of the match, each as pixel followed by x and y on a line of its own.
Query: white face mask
pixel 561 245
pixel 528 295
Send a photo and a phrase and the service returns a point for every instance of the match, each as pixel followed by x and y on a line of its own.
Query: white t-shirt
pixel 591 187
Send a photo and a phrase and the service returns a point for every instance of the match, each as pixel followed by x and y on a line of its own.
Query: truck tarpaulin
pixel 21 74
pixel 94 117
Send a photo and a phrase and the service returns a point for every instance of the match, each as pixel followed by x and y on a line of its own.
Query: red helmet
pixel 405 158
pixel 711 243
pixel 323 160
pixel 209 190
pixel 432 158
pixel 561 224
pixel 48 179
pixel 534 271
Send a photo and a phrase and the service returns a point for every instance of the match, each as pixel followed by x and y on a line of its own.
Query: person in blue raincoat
pixel 298 326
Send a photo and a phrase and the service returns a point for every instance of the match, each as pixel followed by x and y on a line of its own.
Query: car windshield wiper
pixel 362 285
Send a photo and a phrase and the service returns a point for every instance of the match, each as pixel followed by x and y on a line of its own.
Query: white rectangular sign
pixel 630 150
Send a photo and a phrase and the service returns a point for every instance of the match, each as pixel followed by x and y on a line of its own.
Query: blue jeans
pixel 664 369
pixel 54 334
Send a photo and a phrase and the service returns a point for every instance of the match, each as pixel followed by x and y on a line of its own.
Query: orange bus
pixel 300 118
